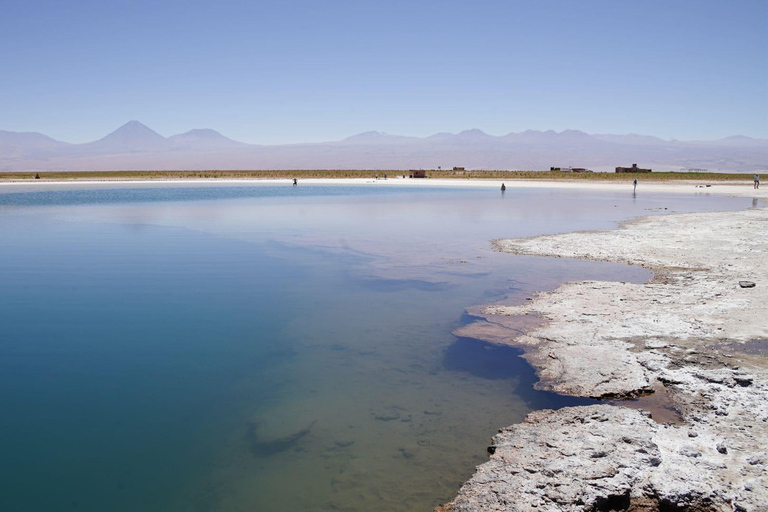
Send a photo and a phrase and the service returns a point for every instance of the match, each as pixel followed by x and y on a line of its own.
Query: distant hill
pixel 739 140
pixel 374 137
pixel 132 137
pixel 136 146
pixel 18 144
pixel 632 138
pixel 203 139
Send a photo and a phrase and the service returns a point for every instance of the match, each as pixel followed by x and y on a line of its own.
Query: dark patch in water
pixel 394 285
pixel 271 447
pixel 489 361
pixel 484 360
pixel 467 318
pixel 502 292
pixel 471 275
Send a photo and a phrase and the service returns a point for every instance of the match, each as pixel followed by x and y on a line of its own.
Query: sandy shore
pixel 692 187
pixel 698 332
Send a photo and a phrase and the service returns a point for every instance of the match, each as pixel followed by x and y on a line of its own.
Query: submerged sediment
pixel 683 332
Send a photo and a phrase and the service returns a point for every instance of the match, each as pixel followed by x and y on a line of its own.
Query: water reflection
pixel 270 349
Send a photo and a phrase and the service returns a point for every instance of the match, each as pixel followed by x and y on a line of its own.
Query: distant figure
pixel 503 187
pixel 385 176
pixel 757 181
pixel 635 189
pixel 37 175
pixel 295 182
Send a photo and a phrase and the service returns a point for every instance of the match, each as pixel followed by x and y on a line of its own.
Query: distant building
pixel 418 174
pixel 634 168
pixel 458 169
pixel 569 169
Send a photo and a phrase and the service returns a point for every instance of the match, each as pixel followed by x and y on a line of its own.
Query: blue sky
pixel 293 71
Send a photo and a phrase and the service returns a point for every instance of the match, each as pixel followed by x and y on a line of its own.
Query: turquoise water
pixel 202 347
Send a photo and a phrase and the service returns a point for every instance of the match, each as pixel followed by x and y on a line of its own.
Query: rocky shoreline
pixel 698 331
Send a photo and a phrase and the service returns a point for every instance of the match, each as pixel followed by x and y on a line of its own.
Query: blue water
pixel 267 347
pixel 111 195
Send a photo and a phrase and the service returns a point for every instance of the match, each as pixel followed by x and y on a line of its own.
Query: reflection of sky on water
pixel 402 227
pixel 142 340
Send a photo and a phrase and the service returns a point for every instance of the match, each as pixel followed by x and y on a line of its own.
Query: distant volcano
pixel 135 146
pixel 132 136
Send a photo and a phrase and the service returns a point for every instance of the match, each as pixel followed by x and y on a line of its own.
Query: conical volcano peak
pixel 133 136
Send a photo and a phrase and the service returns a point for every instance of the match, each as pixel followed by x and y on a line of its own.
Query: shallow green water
pixel 267 347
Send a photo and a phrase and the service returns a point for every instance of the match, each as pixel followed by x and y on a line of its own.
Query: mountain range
pixel 135 146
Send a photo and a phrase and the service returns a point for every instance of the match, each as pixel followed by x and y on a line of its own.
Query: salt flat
pixel 690 329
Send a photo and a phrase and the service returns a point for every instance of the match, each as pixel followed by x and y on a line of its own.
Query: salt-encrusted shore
pixel 691 331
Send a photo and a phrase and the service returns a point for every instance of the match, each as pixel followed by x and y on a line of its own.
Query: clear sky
pixel 265 71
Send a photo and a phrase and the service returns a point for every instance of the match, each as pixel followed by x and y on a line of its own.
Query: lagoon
pixel 232 347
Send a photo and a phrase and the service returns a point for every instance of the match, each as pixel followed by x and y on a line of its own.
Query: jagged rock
pixel 602 458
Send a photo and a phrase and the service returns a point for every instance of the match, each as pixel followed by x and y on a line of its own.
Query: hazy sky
pixel 289 71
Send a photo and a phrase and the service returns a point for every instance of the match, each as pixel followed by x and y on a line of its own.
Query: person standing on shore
pixel 635 189
pixel 757 181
